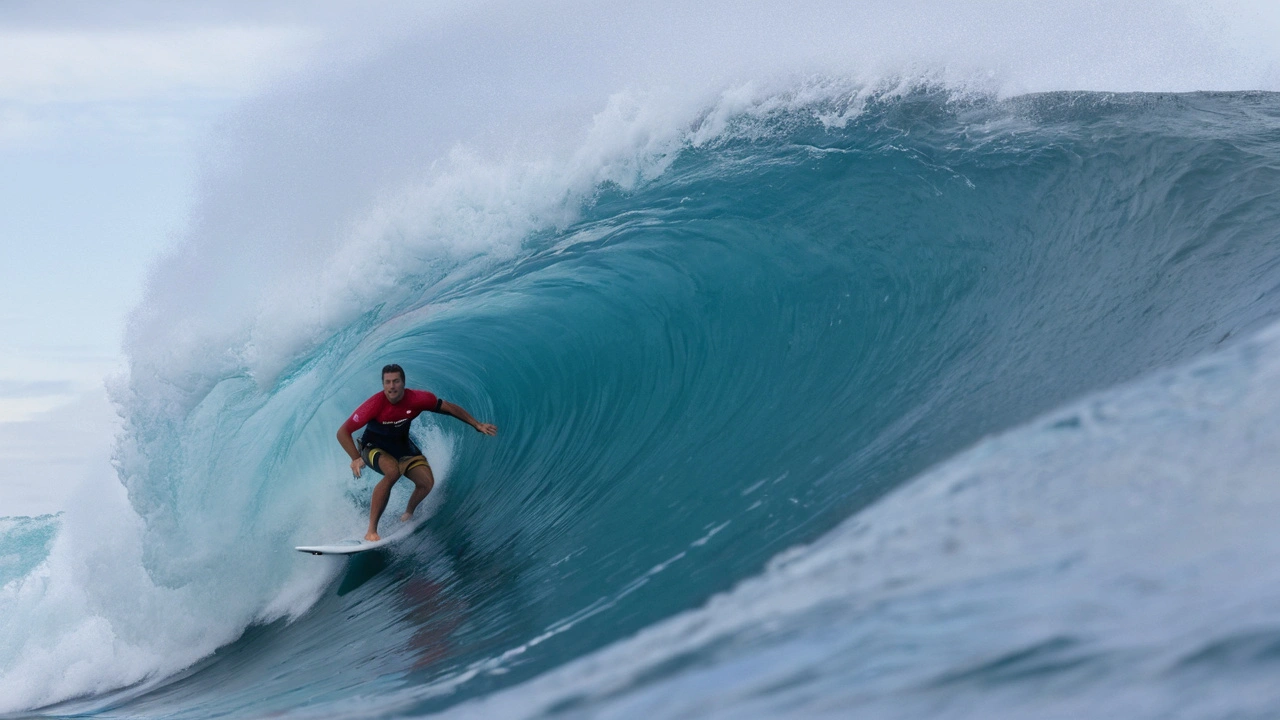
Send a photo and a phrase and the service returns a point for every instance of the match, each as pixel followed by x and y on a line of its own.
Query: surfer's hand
pixel 356 465
pixel 487 429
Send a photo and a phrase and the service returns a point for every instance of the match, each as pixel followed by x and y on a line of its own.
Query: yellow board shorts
pixel 372 455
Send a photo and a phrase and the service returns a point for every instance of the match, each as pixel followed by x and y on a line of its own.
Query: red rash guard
pixel 389 424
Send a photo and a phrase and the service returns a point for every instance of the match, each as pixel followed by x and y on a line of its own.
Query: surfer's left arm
pixel 448 408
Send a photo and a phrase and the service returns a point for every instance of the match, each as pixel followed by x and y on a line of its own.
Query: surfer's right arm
pixel 358 419
pixel 349 444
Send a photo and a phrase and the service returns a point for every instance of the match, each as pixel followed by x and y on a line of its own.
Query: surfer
pixel 385 445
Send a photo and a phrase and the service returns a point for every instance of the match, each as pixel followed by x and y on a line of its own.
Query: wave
pixel 712 331
pixel 25 542
pixel 1111 556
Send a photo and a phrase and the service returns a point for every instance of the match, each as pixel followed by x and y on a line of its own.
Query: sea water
pixel 817 395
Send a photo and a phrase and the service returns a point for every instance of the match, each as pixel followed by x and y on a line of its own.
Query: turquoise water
pixel 26 542
pixel 721 385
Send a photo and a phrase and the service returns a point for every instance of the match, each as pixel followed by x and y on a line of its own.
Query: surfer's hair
pixel 393 368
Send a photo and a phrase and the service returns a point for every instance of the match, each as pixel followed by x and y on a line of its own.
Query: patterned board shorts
pixel 373 454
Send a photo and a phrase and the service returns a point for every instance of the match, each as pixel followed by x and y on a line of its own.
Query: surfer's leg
pixel 423 480
pixel 381 493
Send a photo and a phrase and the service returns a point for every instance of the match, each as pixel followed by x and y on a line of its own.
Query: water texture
pixel 903 401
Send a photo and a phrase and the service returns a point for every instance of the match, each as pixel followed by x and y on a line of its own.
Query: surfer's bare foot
pixel 372 536
pixel 406 517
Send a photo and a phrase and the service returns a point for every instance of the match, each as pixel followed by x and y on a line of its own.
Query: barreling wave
pixel 710 346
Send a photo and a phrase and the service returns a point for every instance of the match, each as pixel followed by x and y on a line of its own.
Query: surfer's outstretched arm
pixel 448 408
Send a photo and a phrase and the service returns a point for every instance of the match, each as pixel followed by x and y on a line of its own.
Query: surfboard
pixel 353 546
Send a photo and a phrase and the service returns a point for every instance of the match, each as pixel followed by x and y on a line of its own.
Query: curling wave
pixel 700 353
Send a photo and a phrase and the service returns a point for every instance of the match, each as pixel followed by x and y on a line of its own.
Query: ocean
pixel 831 398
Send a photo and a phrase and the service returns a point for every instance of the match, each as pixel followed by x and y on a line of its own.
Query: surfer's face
pixel 393 386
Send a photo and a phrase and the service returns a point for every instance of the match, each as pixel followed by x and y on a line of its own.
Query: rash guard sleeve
pixel 426 401
pixel 363 414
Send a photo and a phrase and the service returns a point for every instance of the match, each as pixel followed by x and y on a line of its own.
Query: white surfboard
pixel 353 546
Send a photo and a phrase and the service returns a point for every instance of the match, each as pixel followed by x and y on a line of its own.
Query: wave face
pixel 742 348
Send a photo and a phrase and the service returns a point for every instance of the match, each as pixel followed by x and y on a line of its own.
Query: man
pixel 385 445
